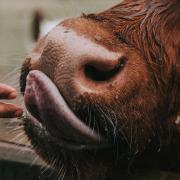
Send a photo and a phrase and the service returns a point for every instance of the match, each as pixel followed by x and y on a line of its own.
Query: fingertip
pixel 12 95
pixel 12 89
pixel 7 92
pixel 7 87
pixel 18 113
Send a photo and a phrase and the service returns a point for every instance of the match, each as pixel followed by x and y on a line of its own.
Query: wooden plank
pixel 19 153
pixel 11 131
pixel 18 162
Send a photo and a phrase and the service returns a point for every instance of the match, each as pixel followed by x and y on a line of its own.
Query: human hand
pixel 8 110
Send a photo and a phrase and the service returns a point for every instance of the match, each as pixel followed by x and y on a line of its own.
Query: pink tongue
pixel 46 104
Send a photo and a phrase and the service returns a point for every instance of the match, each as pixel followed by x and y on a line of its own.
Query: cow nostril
pixel 97 74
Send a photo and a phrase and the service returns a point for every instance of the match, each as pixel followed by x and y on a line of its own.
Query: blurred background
pixel 16 18
pixel 17 160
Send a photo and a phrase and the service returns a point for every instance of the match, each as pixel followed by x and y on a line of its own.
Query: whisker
pixel 89 115
pixel 15 130
pixel 18 136
pixel 10 75
pixel 44 169
pixel 22 140
pixel 15 120
pixel 103 116
pixel 35 160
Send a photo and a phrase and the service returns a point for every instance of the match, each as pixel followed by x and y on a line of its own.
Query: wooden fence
pixel 19 162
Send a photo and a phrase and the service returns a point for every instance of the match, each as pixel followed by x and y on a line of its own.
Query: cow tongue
pixel 46 104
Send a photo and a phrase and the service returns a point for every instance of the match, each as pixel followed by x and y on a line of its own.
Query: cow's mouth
pixel 48 108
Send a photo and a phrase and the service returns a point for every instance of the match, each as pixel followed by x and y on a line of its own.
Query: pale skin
pixel 8 110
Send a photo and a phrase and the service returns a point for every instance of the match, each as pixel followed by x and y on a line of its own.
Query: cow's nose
pixel 79 63
pixel 102 70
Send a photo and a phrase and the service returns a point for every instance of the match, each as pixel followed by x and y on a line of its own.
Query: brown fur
pixel 143 109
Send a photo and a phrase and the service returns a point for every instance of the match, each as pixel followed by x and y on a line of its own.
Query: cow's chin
pixel 65 159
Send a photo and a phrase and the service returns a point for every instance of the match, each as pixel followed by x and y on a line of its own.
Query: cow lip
pixel 47 106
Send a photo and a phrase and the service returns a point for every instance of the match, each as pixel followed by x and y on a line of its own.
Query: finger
pixel 7 92
pixel 9 111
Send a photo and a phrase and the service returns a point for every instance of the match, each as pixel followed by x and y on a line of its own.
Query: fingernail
pixel 19 113
pixel 12 95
